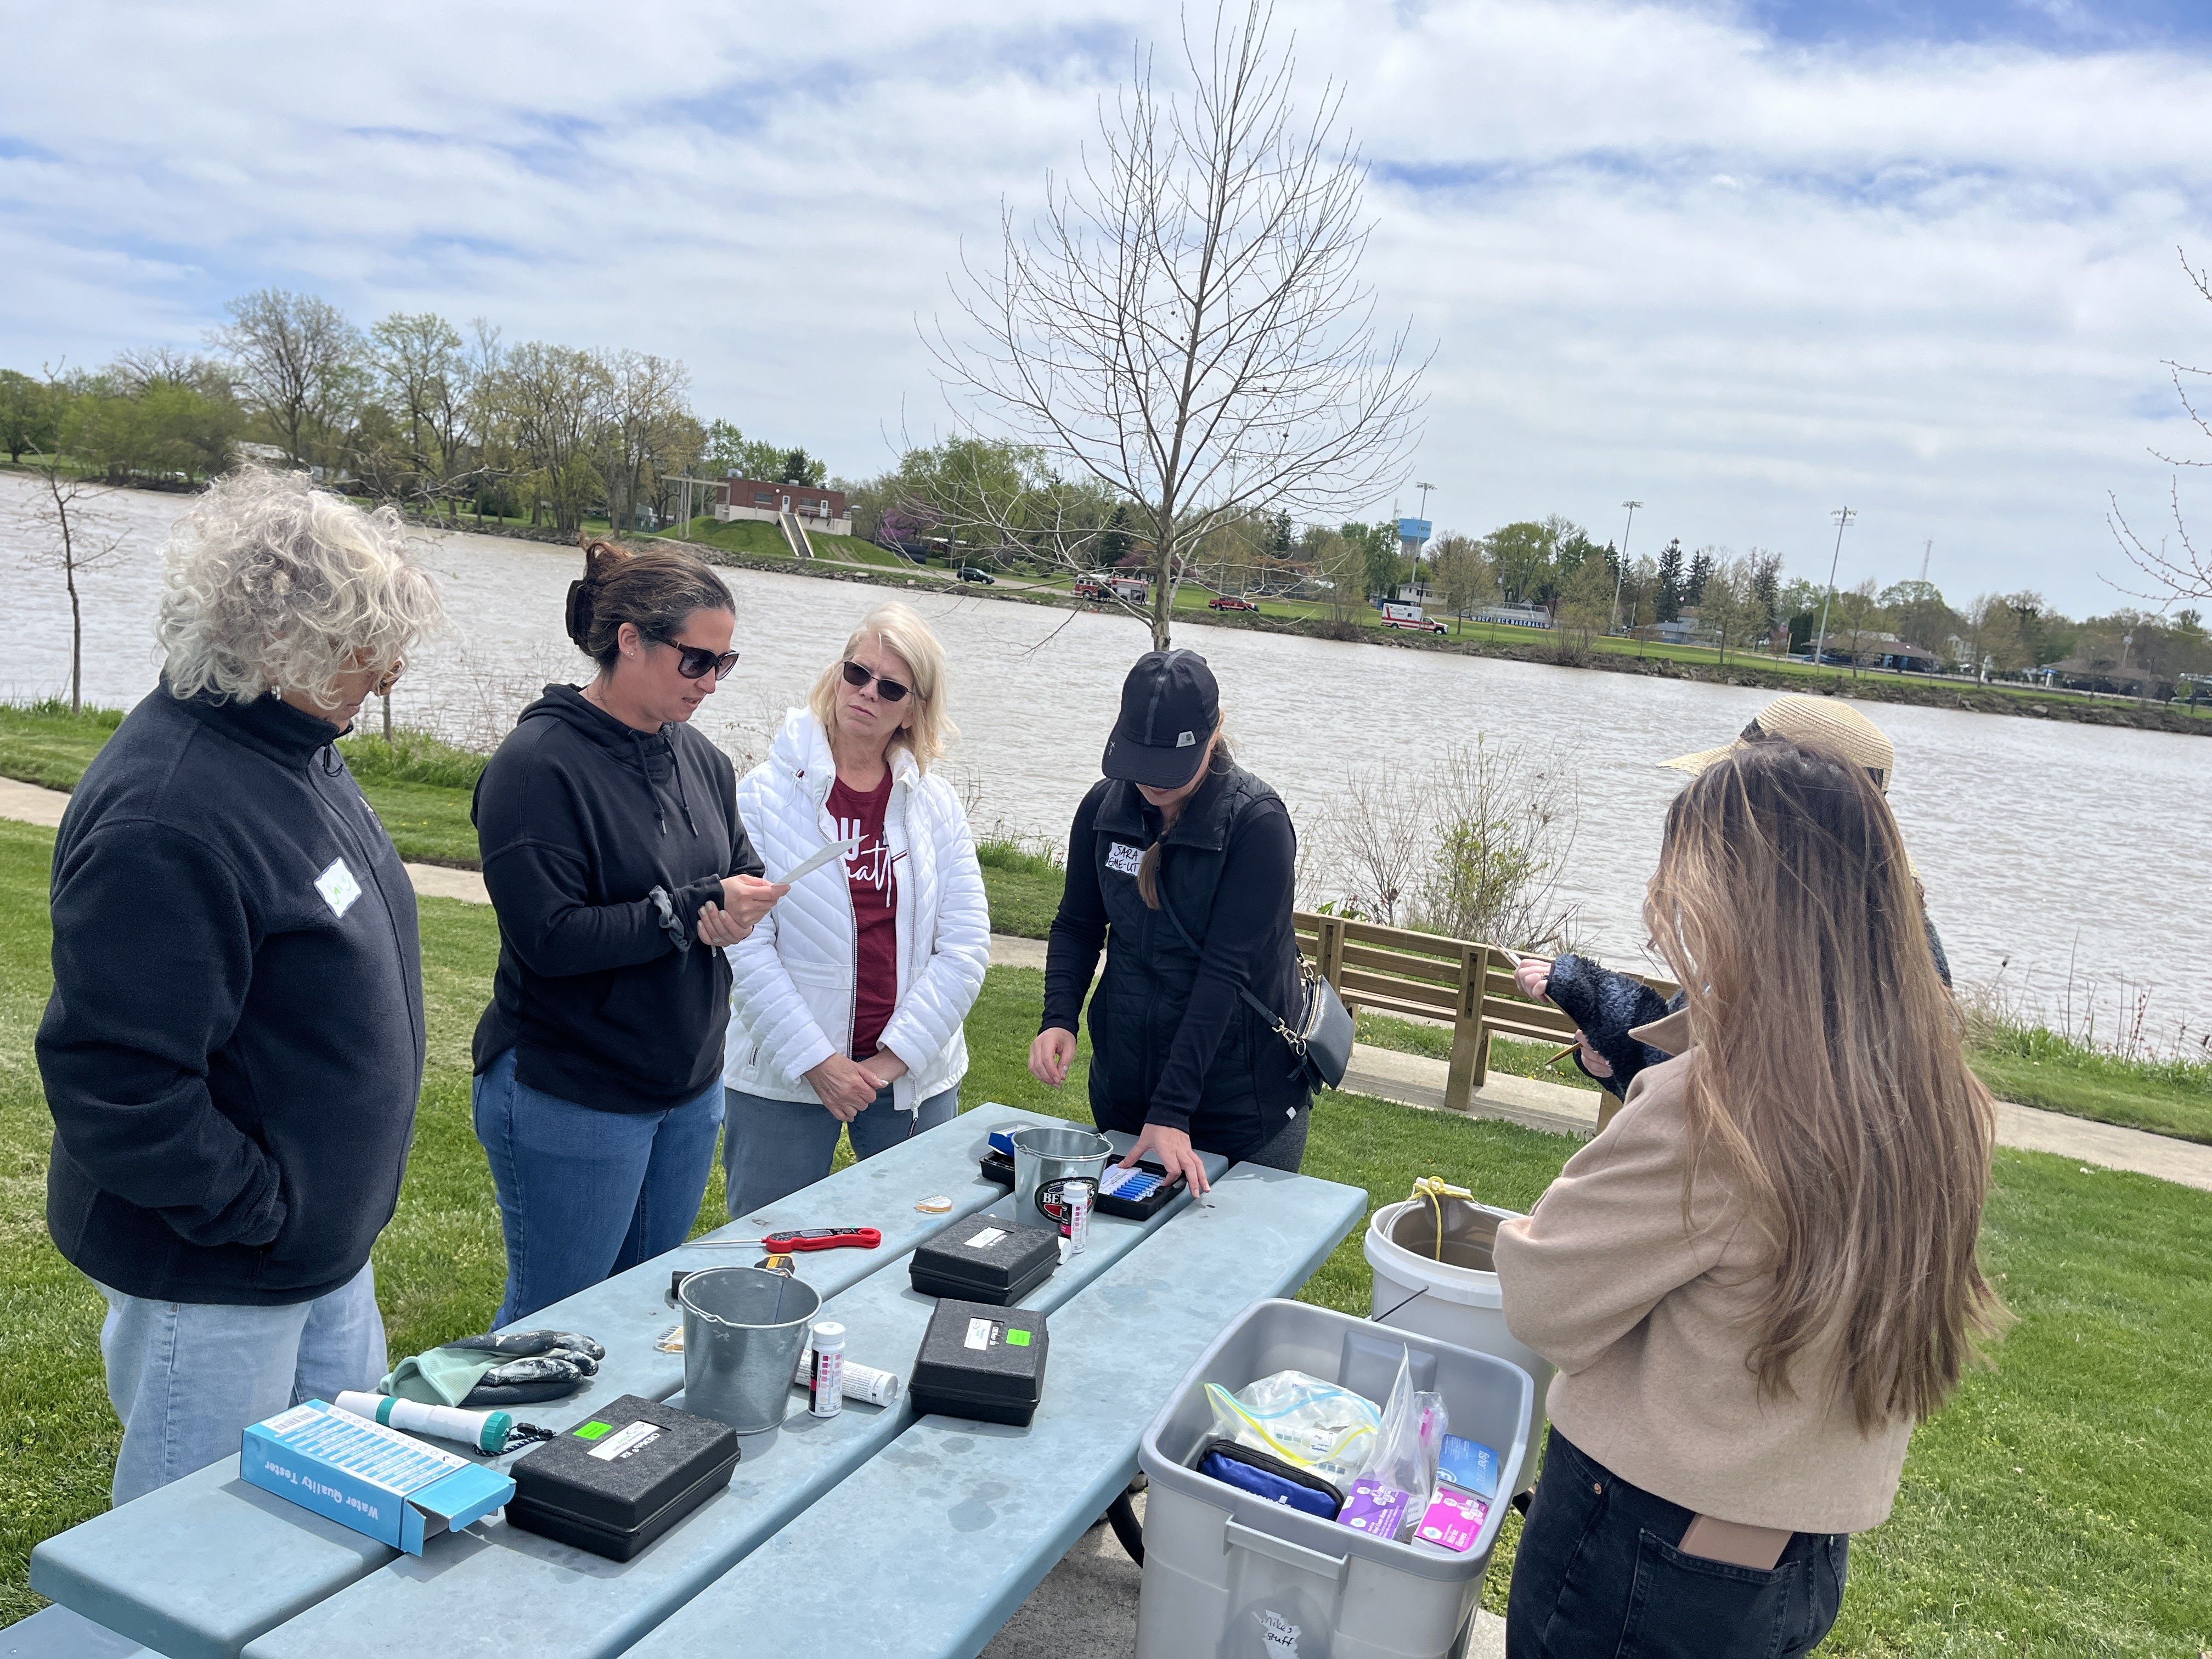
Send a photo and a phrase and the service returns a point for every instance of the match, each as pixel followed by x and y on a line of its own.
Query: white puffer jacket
pixel 791 1001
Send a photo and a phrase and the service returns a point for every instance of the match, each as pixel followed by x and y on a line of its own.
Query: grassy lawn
pixel 2060 1507
pixel 2037 1067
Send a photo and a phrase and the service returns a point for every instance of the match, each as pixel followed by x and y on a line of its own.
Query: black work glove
pixel 537 1365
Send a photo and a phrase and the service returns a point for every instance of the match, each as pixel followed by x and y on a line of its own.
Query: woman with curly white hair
pixel 235 1044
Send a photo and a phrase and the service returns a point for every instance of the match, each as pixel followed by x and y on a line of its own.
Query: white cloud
pixel 1663 255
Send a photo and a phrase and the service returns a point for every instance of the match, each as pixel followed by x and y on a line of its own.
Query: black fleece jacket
pixel 600 845
pixel 234 1047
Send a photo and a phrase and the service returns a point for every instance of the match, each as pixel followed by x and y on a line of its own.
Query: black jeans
pixel 1286 1148
pixel 1597 1577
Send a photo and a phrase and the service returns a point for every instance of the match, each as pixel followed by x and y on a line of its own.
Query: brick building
pixel 816 507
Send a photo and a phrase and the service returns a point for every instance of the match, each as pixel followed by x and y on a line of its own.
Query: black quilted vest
pixel 1251 1085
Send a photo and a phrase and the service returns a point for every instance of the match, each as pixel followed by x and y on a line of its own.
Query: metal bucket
pixel 1043 1158
pixel 742 1331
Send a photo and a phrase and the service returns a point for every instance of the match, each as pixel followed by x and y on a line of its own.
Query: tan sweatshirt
pixel 1647 1320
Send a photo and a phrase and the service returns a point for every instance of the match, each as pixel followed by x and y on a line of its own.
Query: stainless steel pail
pixel 742 1331
pixel 1045 1157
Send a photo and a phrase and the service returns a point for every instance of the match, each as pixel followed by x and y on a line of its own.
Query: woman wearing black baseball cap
pixel 1180 864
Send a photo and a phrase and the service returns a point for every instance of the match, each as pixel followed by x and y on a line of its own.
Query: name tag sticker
pixel 1120 856
pixel 339 888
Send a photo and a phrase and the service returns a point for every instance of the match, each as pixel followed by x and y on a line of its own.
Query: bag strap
pixel 1275 1020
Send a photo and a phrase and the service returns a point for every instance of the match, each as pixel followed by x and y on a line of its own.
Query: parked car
pixel 1231 602
pixel 970 573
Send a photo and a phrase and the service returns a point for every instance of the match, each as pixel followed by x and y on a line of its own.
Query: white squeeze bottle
pixel 829 1381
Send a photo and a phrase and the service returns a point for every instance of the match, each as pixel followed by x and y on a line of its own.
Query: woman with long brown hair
pixel 1761 1274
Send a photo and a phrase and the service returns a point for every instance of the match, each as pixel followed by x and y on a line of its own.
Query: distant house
pixel 817 508
pixel 2101 673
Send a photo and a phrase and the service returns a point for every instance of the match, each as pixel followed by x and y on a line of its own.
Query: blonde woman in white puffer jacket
pixel 848 1000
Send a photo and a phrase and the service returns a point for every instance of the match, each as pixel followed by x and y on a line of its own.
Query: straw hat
pixel 1828 722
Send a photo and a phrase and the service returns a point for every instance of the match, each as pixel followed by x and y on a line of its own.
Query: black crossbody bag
pixel 1322 1038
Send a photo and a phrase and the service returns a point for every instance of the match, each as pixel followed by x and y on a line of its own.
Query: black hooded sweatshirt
pixel 600 845
pixel 235 1043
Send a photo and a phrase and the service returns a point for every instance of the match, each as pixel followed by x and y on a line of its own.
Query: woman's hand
pixel 1534 976
pixel 846 1090
pixel 1051 1054
pixel 1593 1062
pixel 886 1067
pixel 745 900
pixel 1169 1148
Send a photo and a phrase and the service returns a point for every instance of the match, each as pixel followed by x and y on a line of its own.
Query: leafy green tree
pixel 1583 607
pixel 1522 554
pixel 30 414
pixel 1667 604
pixel 801 468
pixel 1693 584
pixel 1464 578
pixel 1378 546
pixel 1921 615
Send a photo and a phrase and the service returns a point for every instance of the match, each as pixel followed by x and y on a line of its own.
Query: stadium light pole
pixel 1843 516
pixel 1620 570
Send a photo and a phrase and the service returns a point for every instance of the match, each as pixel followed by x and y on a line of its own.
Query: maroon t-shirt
pixel 875 909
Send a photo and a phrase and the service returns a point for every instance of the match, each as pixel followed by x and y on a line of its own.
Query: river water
pixel 2067 863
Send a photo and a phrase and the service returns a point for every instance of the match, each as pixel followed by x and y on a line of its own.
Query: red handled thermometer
pixel 805 1239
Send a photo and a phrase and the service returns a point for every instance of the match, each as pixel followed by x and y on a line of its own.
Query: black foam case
pixel 1001 1269
pixel 616 1505
pixel 981 1361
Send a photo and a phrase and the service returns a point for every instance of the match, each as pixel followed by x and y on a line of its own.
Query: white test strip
pixel 808 865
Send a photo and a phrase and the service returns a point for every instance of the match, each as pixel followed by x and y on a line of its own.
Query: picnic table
pixel 875 1530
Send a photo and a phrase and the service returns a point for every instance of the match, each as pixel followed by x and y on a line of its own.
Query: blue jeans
pixel 1598 1572
pixel 187 1377
pixel 771 1148
pixel 583 1194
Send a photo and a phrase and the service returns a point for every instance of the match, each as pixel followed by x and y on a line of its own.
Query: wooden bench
pixel 1459 983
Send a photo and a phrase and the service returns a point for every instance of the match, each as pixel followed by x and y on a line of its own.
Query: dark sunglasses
pixel 697 664
pixel 889 690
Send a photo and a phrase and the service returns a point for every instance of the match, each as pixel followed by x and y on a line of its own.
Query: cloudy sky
pixel 1743 262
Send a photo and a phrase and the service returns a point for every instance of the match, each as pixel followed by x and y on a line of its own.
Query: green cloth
pixel 442 1376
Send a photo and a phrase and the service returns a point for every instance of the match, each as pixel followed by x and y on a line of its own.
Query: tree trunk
pixel 76 639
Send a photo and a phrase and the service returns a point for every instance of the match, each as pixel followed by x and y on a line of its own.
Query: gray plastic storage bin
pixel 1219 1562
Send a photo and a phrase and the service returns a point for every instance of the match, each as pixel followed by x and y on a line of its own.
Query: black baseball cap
pixel 1170 706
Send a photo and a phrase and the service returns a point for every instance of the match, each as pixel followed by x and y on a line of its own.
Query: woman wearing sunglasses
pixel 850 997
pixel 616 859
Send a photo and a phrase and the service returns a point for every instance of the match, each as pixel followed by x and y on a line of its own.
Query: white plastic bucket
pixel 1458 1305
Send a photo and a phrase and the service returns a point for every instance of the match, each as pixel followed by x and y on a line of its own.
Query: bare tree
pixel 552 398
pixel 428 379
pixel 1185 323
pixel 2186 574
pixel 1379 832
pixel 645 430
pixel 1730 607
pixel 1583 609
pixel 298 365
pixel 70 533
